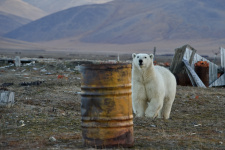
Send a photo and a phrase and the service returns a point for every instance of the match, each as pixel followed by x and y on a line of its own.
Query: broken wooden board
pixel 196 81
pixel 189 54
pixel 213 73
pixel 219 82
pixel 186 52
pixel 222 52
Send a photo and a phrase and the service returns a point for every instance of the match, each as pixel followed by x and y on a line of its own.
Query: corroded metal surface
pixel 202 70
pixel 106 105
pixel 195 80
pixel 183 79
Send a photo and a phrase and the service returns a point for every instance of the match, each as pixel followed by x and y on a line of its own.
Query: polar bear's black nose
pixel 140 61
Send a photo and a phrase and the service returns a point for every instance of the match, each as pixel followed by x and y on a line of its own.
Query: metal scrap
pixel 31 83
pixel 183 63
pixel 6 84
pixel 195 80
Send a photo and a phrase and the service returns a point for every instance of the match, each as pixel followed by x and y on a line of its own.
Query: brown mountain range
pixel 130 22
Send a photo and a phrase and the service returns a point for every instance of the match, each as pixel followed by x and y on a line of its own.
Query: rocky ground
pixel 46 113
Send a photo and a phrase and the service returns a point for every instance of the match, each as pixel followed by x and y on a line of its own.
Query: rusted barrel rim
pixel 121 118
pixel 103 66
pixel 105 87
pixel 107 124
pixel 104 94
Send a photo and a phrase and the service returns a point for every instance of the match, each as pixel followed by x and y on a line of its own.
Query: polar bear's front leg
pixel 154 108
pixel 140 107
pixel 139 99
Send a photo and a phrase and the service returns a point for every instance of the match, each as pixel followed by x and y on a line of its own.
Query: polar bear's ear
pixel 151 56
pixel 133 55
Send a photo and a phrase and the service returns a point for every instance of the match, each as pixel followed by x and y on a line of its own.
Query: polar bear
pixel 153 88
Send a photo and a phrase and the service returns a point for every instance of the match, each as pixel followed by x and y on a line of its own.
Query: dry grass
pixel 52 109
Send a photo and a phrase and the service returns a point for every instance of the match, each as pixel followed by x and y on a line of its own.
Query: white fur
pixel 153 88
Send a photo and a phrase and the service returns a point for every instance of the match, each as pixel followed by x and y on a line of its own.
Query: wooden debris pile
pixel 193 69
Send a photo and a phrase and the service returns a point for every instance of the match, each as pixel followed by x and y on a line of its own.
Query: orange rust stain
pixel 202 64
pixel 106 105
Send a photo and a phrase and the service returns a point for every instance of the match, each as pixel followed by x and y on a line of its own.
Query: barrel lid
pixel 105 65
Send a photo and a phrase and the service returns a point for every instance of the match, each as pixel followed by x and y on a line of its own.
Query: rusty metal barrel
pixel 202 70
pixel 106 105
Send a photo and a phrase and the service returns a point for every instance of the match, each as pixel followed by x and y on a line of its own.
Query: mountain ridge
pixel 15 13
pixel 21 9
pixel 129 22
pixel 9 22
pixel 52 6
pixel 121 22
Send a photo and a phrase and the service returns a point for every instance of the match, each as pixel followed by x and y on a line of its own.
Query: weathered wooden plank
pixel 213 73
pixel 186 52
pixel 196 81
pixel 177 64
pixel 189 54
pixel 219 82
pixel 222 51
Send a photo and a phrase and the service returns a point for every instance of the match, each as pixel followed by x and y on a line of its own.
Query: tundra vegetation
pixel 47 115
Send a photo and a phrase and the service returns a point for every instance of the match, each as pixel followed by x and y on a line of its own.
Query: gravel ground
pixel 46 113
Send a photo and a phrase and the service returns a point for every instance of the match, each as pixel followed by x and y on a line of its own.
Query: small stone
pixel 52 139
pixel 21 123
pixel 152 125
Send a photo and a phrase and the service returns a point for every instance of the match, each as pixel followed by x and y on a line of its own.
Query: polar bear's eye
pixel 137 56
pixel 145 57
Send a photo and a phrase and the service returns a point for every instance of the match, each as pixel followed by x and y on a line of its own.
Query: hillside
pixel 21 9
pixel 129 25
pixel 71 22
pixel 9 22
pixel 11 44
pixel 51 6
pixel 129 21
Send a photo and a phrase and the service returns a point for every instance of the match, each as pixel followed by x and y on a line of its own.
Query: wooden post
pixel 222 51
pixel 6 98
pixel 17 61
pixel 154 51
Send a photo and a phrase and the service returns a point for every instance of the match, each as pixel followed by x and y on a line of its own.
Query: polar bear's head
pixel 142 60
